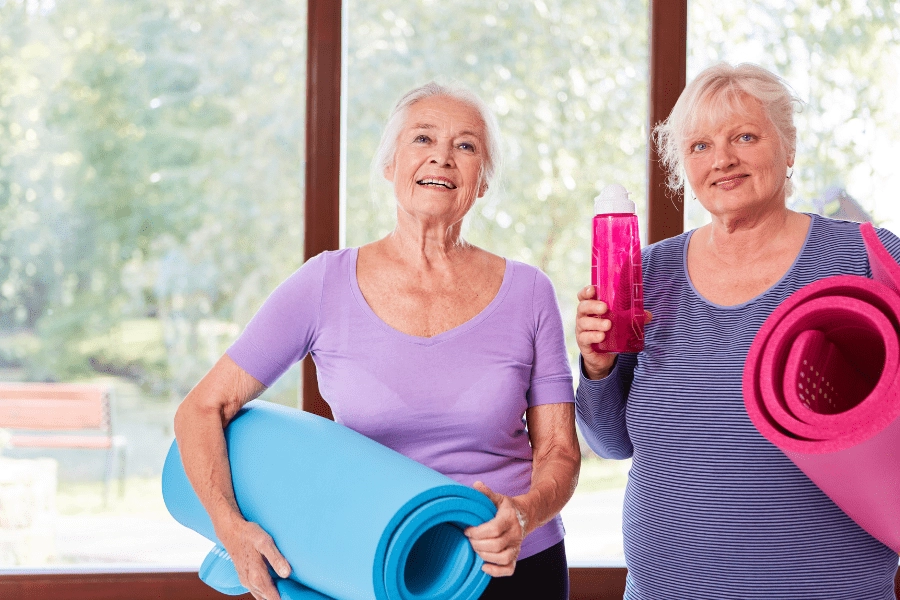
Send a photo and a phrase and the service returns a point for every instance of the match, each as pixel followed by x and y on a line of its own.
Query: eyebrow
pixel 460 134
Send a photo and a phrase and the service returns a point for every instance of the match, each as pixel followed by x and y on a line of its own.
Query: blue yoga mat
pixel 355 519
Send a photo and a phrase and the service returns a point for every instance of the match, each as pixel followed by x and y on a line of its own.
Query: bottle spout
pixel 613 199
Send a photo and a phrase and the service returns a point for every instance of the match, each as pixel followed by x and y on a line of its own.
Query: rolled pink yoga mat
pixel 822 382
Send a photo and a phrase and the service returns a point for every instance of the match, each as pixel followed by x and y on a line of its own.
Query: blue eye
pixel 699 147
pixel 421 138
pixel 467 146
pixel 747 137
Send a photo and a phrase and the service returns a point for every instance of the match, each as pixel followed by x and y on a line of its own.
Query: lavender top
pixel 454 402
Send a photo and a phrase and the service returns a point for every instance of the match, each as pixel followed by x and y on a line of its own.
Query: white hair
pixel 715 94
pixel 387 147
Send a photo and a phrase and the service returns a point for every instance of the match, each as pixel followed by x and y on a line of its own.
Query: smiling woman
pixel 712 509
pixel 449 345
pixel 437 168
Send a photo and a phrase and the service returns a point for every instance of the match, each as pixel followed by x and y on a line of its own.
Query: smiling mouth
pixel 437 183
pixel 728 180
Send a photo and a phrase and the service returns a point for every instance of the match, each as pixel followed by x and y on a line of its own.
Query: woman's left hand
pixel 499 540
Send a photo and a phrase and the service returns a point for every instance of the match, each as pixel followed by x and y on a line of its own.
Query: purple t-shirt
pixel 454 402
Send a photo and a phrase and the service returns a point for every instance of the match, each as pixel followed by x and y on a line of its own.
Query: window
pixel 568 82
pixel 151 196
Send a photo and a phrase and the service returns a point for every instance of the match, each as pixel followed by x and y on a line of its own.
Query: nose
pixel 442 154
pixel 724 157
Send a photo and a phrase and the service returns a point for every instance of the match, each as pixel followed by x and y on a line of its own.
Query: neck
pixel 427 244
pixel 743 238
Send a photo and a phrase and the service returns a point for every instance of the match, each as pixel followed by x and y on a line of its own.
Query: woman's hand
pixel 499 540
pixel 590 329
pixel 252 550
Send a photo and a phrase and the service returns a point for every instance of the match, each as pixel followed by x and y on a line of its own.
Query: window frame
pixel 668 60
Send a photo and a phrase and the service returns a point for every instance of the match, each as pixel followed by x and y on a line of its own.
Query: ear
pixel 389 172
pixel 482 189
pixel 790 161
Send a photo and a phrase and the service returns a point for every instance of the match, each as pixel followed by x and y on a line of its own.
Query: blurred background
pixel 151 194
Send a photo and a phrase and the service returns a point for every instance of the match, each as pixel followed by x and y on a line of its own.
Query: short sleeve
pixel 551 376
pixel 284 329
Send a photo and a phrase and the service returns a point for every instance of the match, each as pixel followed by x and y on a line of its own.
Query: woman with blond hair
pixel 712 509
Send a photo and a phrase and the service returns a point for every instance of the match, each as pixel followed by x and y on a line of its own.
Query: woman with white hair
pixel 712 509
pixel 425 343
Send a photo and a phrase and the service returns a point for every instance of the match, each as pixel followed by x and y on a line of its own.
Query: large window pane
pixel 842 59
pixel 568 81
pixel 151 196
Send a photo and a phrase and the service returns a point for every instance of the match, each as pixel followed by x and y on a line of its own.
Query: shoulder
pixel 314 271
pixel 827 228
pixel 890 240
pixel 528 276
pixel 667 249
pixel 664 259
pixel 331 259
pixel 835 239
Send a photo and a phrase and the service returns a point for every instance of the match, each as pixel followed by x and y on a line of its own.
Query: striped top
pixel 712 509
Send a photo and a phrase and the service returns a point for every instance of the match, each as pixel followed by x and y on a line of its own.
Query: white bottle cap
pixel 613 199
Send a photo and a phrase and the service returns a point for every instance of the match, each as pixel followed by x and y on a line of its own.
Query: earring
pixel 791 174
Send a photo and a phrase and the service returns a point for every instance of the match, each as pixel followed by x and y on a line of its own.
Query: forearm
pixel 600 410
pixel 553 480
pixel 199 429
pixel 556 462
pixel 201 442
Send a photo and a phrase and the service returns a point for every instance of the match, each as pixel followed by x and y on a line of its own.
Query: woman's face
pixel 437 167
pixel 738 166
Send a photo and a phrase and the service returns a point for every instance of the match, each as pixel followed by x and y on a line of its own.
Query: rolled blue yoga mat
pixel 355 519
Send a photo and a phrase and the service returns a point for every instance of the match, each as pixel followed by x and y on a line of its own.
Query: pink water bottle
pixel 616 270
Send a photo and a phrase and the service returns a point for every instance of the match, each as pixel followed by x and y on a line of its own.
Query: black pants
pixel 544 576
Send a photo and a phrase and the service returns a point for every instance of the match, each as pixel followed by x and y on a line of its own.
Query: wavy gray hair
pixel 716 93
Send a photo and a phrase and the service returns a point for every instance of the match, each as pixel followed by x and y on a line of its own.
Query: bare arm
pixel 199 426
pixel 554 475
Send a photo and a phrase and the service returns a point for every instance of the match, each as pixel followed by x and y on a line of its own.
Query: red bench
pixel 62 415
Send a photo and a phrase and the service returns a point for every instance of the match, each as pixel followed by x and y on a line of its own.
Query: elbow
pixel 614 453
pixel 194 415
pixel 611 449
pixel 604 444
pixel 181 422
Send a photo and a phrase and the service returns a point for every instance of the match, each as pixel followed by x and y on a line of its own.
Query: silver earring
pixel 791 174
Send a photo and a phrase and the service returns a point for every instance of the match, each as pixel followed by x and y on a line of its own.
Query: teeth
pixel 445 184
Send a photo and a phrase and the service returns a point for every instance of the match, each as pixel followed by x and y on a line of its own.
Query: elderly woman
pixel 713 510
pixel 425 343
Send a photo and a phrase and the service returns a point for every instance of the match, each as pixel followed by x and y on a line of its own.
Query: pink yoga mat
pixel 822 382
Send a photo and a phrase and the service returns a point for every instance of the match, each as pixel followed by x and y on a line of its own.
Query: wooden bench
pixel 62 415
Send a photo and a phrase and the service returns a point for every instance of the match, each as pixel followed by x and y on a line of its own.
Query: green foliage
pixel 151 151
pixel 150 168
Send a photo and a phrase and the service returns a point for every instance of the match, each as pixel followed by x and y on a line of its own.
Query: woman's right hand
pixel 252 550
pixel 590 329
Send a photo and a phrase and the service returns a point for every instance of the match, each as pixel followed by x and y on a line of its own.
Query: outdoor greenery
pixel 150 181
pixel 151 151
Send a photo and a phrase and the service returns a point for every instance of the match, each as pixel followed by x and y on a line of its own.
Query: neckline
pixel 687 276
pixel 442 336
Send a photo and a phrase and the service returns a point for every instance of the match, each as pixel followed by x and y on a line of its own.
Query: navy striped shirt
pixel 712 509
